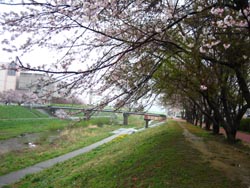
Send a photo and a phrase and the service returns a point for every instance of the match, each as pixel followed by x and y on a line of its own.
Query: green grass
pixel 71 138
pixel 13 128
pixel 31 124
pixel 70 105
pixel 158 157
pixel 199 131
pixel 13 112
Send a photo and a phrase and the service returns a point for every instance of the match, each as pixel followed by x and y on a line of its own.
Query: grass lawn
pixel 158 157
pixel 13 112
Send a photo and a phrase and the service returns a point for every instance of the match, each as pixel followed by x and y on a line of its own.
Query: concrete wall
pixel 28 81
pixel 2 80
pixel 7 82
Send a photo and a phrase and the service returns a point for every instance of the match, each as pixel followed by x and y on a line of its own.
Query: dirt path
pixel 232 161
pixel 245 137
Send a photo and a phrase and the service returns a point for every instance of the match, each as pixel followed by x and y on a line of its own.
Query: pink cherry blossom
pixel 226 46
pixel 203 87
pixel 199 8
pixel 202 50
pixel 229 21
pixel 217 11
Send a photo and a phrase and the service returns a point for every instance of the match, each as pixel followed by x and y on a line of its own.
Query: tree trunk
pixel 200 119
pixel 243 85
pixel 196 121
pixel 231 134
pixel 216 128
pixel 207 123
pixel 216 124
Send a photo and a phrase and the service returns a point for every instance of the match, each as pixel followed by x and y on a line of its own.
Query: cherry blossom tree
pixel 225 45
pixel 122 45
pixel 114 31
pixel 30 98
pixel 218 97
pixel 228 42
pixel 18 97
pixel 61 114
pixel 6 96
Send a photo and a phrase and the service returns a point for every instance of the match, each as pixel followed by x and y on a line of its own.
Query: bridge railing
pixel 87 111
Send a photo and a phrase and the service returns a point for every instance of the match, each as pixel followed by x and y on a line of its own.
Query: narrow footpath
pixel 230 160
pixel 245 137
pixel 17 175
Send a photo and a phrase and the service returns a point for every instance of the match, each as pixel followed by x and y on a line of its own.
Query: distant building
pixel 11 79
pixel 8 78
pixel 29 81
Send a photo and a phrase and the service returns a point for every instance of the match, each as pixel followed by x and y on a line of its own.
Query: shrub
pixel 100 121
pixel 245 125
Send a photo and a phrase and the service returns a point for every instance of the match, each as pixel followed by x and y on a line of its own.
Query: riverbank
pixel 158 157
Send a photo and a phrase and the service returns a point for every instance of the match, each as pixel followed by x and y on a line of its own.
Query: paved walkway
pixel 17 175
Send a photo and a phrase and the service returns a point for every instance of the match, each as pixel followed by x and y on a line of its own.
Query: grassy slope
pixel 159 157
pixel 71 138
pixel 13 112
pixel 11 125
pixel 13 128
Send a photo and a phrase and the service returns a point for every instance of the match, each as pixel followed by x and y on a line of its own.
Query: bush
pixel 100 121
pixel 245 125
pixel 95 121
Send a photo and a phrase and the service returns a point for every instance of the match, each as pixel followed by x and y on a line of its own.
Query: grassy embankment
pixel 72 136
pixel 158 157
pixel 17 120
pixel 13 112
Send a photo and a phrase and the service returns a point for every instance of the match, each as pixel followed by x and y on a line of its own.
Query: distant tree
pixel 6 96
pixel 30 98
pixel 67 100
pixel 61 114
pixel 18 97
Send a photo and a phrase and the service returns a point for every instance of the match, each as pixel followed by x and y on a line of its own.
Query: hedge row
pixel 245 125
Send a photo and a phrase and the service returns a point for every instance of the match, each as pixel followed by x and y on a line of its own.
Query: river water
pixel 27 140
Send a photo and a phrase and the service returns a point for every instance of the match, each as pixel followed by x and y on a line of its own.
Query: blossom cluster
pixel 231 19
pixel 224 20
pixel 61 114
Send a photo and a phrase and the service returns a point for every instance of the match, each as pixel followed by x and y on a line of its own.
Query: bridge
pixel 89 111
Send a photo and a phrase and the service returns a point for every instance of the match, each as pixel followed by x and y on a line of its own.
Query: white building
pixel 11 79
pixel 28 81
pixel 8 78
